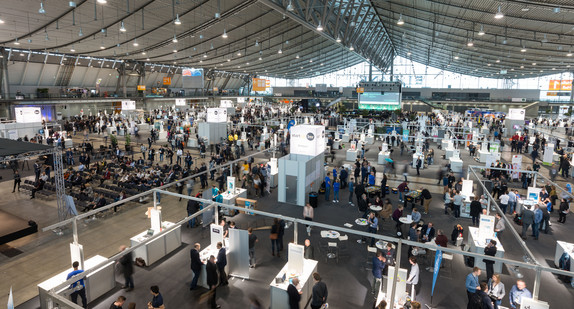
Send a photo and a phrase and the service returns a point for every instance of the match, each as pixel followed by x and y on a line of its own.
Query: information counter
pixel 230 199
pixel 478 246
pixel 562 247
pixel 157 249
pixel 279 297
pixel 204 256
pixel 97 283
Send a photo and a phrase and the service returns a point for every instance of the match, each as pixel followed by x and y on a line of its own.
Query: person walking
pixel 195 265
pixel 78 288
pixel 17 181
pixel 564 210
pixel 221 263
pixel 351 189
pixel 527 220
pixel 127 266
pixel 211 277
pixel 252 240
pixel 537 220
pixel 308 214
pixel 472 282
pixel 319 293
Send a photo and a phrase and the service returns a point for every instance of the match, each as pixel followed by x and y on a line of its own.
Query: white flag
pixel 10 300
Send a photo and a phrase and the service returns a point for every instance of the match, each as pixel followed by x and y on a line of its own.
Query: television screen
pixel 380 100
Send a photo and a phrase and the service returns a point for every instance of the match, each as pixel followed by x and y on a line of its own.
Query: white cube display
pixel 307 140
pixel 217 115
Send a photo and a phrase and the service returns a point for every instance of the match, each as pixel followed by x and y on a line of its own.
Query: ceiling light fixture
pixel 290 7
pixel 497 60
pixel 400 22
pixel 409 53
pixel 280 51
pixel 41 10
pixel 470 43
pixel 102 1
pixel 533 63
pixel 175 50
pixel 455 57
pixel 481 32
pixel 73 49
pixel 297 57
pixel 143 53
pixel 81 33
pixel 1 21
pixel 204 55
pixel 102 47
pixel 499 14
pixel 136 44
pixel 177 21
pixel 174 39
pixel 122 27
pixel 256 43
pixel 338 40
pixel 319 27
pixel 16 42
pixel 351 48
pixel 224 35
pixel 238 53
pixel 569 54
pixel 523 49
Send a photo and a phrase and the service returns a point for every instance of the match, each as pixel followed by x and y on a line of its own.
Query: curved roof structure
pixel 298 38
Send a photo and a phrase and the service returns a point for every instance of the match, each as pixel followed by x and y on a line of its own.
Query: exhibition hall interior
pixel 286 154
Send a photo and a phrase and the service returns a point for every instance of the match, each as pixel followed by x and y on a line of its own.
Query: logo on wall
pixel 310 136
pixel 36 112
pixel 215 112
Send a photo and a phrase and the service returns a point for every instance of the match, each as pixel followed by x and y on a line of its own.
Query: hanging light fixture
pixel 175 50
pixel 400 22
pixel 338 40
pixel 177 21
pixel 80 33
pixel 319 27
pixel 290 7
pixel 174 39
pixel 351 48
pixel 224 35
pixel 102 46
pixel 102 1
pixel 297 57
pixel 238 53
pixel 41 10
pixel 499 14
pixel 16 42
pixel 569 54
pixel 204 55
pixel 280 51
pixel 122 27
pixel 523 49
pixel 481 32
pixel 136 44
pixel 1 21
pixel 144 53
pixel 73 49
pixel 470 43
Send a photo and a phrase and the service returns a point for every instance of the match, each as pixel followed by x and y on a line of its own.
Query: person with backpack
pixel 480 299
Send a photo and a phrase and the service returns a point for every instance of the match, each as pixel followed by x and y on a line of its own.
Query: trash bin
pixel 313 198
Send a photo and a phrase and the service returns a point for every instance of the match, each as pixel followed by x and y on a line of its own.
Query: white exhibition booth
pixel 215 128
pixel 479 237
pixel 561 248
pixel 301 171
pixel 296 267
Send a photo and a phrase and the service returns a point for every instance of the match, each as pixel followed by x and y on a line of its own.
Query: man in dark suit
pixel 211 274
pixel 294 294
pixel 221 263
pixel 195 265
pixel 427 232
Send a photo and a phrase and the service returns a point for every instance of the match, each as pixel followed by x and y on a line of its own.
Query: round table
pixel 376 208
pixel 332 234
pixel 361 221
pixel 381 245
pixel 405 220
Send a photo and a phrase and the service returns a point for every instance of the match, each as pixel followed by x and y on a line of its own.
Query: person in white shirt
pixel 504 198
pixel 511 202
pixel 413 279
pixel 483 202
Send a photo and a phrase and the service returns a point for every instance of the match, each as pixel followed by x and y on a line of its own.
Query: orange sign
pixel 556 84
pixel 259 84
pixel 360 90
pixel 167 80
pixel 141 87
pixel 267 83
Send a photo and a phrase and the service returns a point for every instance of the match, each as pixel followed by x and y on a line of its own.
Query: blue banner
pixel 437 261
pixel 406 135
pixel 290 124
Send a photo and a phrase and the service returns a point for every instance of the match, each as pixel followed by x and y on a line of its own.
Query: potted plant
pixel 128 142
pixel 114 141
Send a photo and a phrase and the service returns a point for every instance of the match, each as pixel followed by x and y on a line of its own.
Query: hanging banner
pixel 230 184
pixel 167 81
pixel 307 140
pixel 217 115
pixel 141 87
pixel 437 262
pixel 516 166
pixel 259 84
pixel 180 102
pixel 405 135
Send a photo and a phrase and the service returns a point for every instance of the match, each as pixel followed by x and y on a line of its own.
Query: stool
pixel 395 191
pixel 332 251
pixel 387 189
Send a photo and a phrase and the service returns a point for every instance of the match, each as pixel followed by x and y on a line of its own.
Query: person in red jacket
pixel 403 188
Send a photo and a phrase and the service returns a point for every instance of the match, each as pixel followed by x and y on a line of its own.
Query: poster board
pixel 533 193
pixel 530 303
pixel 180 102
pixel 548 154
pixel 516 114
pixel 128 105
pixel 28 114
pixel 215 115
pixel 401 287
pixel 486 228
pixel 295 259
pixel 230 184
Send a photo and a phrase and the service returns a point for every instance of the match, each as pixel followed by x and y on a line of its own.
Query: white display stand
pixel 383 156
pixel 401 287
pixel 279 297
pixel 486 227
pixel 352 155
pixel 530 303
pixel 157 249
pixel 143 127
pixel 482 155
pixel 548 154
pixel 561 247
pixel 345 138
pixel 229 199
pixel 336 143
pixel 445 143
pixel 370 139
pixel 555 157
pixel 449 152
pixel 477 245
pixel 97 283
pixel 456 165
pixel 68 143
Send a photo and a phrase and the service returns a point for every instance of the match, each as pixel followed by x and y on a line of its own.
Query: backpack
pixel 475 302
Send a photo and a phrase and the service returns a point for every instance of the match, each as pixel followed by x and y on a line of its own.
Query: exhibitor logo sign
pixel 310 136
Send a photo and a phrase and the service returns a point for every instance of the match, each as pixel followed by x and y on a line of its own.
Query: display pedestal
pixel 229 199
pixel 456 165
pixel 561 247
pixel 274 177
pixel 162 136
pixel 370 139
pixel 482 155
pixel 352 155
pixel 448 153
pixel 477 245
pixel 383 156
pixel 192 143
pixel 143 127
pixel 345 138
pixel 279 297
pixel 97 283
pixel 555 157
pixel 68 143
pixel 157 249
pixel 336 144
pixel 444 143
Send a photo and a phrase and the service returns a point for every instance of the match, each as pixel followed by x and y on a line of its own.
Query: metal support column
pixel 396 274
pixel 370 72
pixel 536 288
pixel 5 83
pixel 60 185
pixel 295 232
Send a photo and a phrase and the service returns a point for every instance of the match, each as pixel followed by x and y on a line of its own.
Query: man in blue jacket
pixel 327 186
pixel 78 287
pixel 378 266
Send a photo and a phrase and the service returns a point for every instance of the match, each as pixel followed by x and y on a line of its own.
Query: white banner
pixel 128 105
pixel 516 113
pixel 548 154
pixel 307 140
pixel 230 184
pixel 217 115
pixel 180 102
pixel 486 228
pixel 28 114
pixel 516 165
pixel 226 103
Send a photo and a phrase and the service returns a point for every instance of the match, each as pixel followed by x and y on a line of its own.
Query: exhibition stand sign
pixel 516 114
pixel 28 114
pixel 516 165
pixel 180 102
pixel 533 193
pixel 217 115
pixel 548 154
pixel 307 140
pixel 486 227
pixel 128 105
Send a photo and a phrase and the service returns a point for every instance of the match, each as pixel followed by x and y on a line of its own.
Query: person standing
pixel 564 210
pixel 118 303
pixel 17 181
pixel 319 293
pixel 294 294
pixel 372 227
pixel 274 237
pixel 499 226
pixel 378 268
pixel 308 214
pixel 457 202
pixel 413 279
pixel 78 287
pixel 127 269
pixel 472 283
pixel 252 240
pixel 351 189
pixel 527 220
pixel 327 186
pixel 419 163
pixel 517 293
pixel 211 276
pixel 336 188
pixel 475 210
pixel 427 198
pixel 195 265
pixel 504 201
pixel 309 251
pixel 490 250
pixel 537 219
pixel 221 263
pixel 481 298
pixel 496 290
